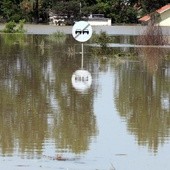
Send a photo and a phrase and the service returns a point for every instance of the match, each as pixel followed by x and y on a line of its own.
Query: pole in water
pixel 82 55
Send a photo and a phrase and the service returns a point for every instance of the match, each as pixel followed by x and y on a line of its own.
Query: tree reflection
pixel 141 95
pixel 29 82
pixel 23 108
pixel 152 58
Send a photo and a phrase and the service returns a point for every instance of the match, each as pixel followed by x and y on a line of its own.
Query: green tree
pixel 69 8
pixel 152 5
pixel 10 10
pixel 121 11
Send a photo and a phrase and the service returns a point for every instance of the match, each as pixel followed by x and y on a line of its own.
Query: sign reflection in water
pixel 81 80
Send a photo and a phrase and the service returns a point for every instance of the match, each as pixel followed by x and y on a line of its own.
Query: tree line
pixel 120 11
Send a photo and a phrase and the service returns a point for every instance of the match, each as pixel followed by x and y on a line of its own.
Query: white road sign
pixel 82 31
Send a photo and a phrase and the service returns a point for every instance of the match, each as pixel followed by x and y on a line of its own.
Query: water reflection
pixel 35 87
pixel 152 58
pixel 42 114
pixel 75 121
pixel 23 102
pixel 143 98
pixel 81 80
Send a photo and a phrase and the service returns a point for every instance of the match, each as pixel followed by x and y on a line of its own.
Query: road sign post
pixel 82 55
pixel 82 32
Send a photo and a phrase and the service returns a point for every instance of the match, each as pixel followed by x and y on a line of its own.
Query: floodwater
pixel 120 122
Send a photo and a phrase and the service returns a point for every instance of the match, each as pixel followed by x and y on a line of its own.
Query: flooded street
pixel 111 30
pixel 121 122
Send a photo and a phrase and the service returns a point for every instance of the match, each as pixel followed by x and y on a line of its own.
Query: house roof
pixel 163 9
pixel 160 11
pixel 145 18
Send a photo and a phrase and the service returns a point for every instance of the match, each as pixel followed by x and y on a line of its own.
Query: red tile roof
pixel 160 11
pixel 163 9
pixel 145 18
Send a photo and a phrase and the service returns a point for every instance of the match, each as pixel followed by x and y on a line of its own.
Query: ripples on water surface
pixel 122 122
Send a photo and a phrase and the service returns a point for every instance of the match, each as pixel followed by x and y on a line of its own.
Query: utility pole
pixel 80 8
pixel 37 11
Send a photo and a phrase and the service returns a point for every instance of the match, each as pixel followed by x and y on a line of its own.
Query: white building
pixel 99 19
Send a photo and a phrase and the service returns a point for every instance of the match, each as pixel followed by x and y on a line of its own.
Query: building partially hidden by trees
pixel 120 11
pixel 161 15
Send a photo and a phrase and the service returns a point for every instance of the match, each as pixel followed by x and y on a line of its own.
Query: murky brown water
pixel 121 122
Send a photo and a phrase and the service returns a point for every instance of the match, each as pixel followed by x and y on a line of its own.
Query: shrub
pixel 102 39
pixel 13 27
pixel 10 27
pixel 58 37
pixel 20 27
